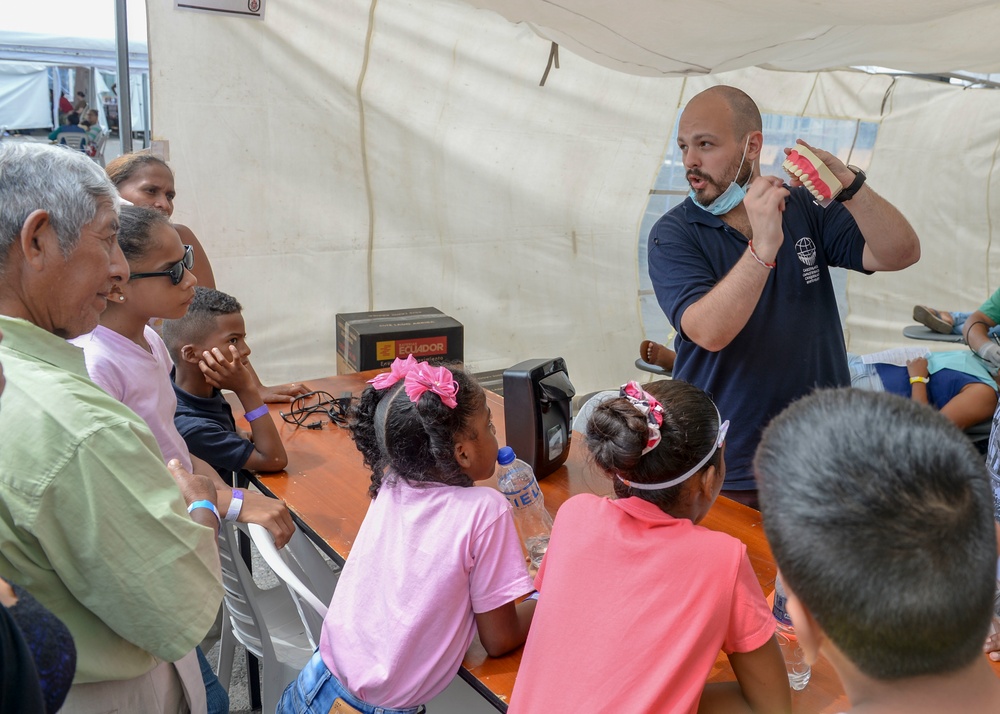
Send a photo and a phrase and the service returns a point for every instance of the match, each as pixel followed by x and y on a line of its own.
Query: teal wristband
pixel 208 505
pixel 256 413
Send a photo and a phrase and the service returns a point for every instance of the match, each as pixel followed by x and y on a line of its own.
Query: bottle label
pixel 524 497
pixel 780 611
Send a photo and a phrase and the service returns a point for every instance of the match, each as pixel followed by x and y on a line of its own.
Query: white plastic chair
pixel 74 140
pixel 266 622
pixel 305 573
pixel 583 416
pixel 99 146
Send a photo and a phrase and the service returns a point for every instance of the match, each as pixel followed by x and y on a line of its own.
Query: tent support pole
pixel 124 100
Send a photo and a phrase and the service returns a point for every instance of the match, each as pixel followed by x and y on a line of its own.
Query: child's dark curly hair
pixel 208 305
pixel 414 441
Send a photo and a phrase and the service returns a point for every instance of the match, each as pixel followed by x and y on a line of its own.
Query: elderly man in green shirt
pixel 91 522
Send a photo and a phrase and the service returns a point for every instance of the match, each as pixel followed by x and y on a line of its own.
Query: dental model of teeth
pixel 804 165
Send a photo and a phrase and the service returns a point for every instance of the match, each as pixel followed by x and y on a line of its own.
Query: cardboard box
pixel 372 340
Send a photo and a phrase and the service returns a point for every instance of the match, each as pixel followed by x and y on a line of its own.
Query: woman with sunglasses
pixel 161 282
pixel 635 598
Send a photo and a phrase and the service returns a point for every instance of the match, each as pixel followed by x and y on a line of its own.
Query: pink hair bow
pixel 440 380
pixel 397 371
pixel 648 405
pixel 419 377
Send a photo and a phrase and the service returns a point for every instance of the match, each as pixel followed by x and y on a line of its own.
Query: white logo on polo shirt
pixel 806 250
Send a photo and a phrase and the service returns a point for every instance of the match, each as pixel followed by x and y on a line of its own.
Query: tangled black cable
pixel 318 404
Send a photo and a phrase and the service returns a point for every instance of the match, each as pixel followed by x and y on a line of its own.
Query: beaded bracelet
pixel 753 253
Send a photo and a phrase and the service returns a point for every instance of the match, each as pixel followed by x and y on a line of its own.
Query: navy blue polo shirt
pixel 209 430
pixel 793 342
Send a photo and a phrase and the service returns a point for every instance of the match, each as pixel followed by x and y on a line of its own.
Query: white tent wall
pixel 935 160
pixel 513 207
pixel 502 200
pixel 675 37
pixel 24 89
pixel 510 206
pixel 71 35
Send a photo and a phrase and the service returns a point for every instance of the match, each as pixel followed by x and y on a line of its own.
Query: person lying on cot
pixel 979 329
pixel 954 382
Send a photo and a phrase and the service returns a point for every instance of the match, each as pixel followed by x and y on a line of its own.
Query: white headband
pixel 723 428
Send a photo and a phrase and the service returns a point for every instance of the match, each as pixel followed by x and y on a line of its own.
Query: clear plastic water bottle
pixel 517 482
pixel 795 659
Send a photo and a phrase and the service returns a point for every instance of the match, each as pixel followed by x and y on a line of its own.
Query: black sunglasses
pixel 175 271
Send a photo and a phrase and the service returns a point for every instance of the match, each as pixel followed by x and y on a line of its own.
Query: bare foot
pixel 655 353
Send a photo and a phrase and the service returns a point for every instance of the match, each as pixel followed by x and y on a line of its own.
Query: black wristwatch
pixel 859 180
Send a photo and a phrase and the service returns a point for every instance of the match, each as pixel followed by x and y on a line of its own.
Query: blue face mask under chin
pixel 731 197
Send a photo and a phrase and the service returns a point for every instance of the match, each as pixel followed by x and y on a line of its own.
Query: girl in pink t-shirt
pixel 635 598
pixel 129 360
pixel 435 560
pixel 124 355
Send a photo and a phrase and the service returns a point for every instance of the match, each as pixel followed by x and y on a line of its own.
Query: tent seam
pixel 364 155
pixel 989 217
pixel 812 90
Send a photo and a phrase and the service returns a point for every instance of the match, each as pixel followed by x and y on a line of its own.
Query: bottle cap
pixel 505 456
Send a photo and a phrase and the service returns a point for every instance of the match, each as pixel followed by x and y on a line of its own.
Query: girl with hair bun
pixel 635 598
pixel 435 560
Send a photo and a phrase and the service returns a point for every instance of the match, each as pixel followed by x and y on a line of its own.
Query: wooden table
pixel 326 488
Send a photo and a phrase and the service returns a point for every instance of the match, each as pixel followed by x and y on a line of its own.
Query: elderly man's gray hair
pixel 64 182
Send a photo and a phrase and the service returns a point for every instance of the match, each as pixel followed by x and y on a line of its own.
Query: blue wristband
pixel 256 413
pixel 206 505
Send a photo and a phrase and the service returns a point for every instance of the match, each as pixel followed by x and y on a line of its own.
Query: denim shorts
pixel 864 376
pixel 316 689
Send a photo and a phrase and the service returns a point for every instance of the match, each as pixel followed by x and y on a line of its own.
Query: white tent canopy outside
pixel 380 155
pixel 24 95
pixel 71 34
pixel 35 37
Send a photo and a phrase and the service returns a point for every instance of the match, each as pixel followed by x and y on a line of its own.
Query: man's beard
pixel 714 189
